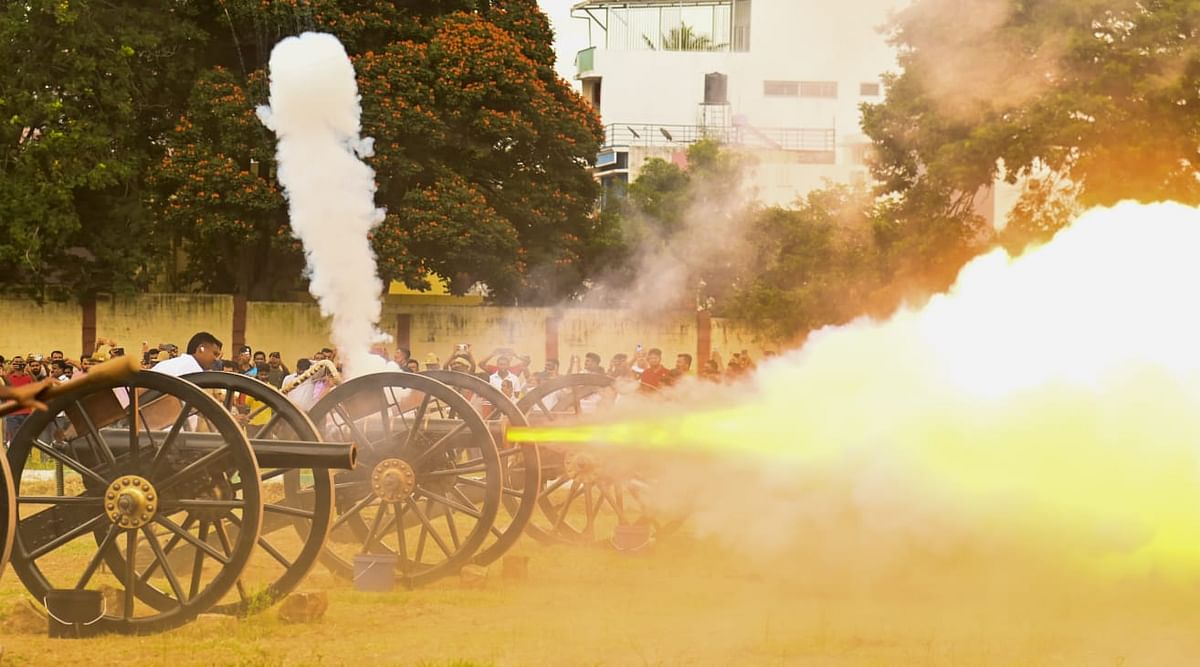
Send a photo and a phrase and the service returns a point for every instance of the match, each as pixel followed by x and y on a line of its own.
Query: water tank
pixel 716 88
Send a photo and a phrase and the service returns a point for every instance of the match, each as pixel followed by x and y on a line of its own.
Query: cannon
pixel 520 462
pixel 163 502
pixel 588 495
pixel 429 482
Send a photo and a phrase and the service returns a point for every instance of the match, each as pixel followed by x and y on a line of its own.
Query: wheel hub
pixel 581 467
pixel 393 479
pixel 130 502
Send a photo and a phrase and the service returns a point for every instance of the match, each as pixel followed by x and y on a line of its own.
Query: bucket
pixel 631 538
pixel 374 573
pixel 74 614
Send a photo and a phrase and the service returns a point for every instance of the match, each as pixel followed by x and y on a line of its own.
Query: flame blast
pixel 1048 403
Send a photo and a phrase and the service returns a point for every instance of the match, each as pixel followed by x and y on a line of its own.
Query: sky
pixel 570 35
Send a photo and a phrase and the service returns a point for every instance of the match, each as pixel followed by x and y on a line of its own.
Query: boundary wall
pixel 298 329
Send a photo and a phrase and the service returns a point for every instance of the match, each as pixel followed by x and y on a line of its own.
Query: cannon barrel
pixel 270 453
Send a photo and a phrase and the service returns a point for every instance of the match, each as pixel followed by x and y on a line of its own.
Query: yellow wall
pixel 437 329
pixel 163 318
pixel 608 332
pixel 294 330
pixel 27 327
pixel 297 329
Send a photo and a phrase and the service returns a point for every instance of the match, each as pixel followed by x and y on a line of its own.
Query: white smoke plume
pixel 314 111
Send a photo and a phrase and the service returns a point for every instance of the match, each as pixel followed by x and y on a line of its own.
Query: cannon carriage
pixel 215 492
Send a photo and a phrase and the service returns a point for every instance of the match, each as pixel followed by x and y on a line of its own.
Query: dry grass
pixel 689 603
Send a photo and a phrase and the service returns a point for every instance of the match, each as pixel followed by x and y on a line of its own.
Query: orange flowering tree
pixel 481 150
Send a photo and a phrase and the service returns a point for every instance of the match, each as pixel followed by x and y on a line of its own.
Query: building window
pixel 868 89
pixel 781 88
pixel 827 89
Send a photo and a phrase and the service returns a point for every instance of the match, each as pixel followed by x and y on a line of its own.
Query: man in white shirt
pixel 502 373
pixel 203 351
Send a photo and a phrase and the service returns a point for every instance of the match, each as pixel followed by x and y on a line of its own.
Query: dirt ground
pixel 689 602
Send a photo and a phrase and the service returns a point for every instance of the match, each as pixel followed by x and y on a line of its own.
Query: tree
pixel 1098 95
pixel 482 152
pixel 86 90
pixel 683 38
pixel 815 265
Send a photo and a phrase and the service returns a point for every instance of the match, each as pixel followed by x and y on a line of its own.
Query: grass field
pixel 689 602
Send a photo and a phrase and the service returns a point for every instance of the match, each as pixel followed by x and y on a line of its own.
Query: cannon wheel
pixel 582 495
pixel 8 513
pixel 521 463
pixel 302 515
pixel 147 488
pixel 415 475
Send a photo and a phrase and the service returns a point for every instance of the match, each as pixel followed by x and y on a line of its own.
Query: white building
pixel 781 78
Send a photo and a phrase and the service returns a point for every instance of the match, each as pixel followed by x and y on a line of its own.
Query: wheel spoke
pixel 398 509
pixel 416 422
pixel 66 537
pixel 275 553
pixel 94 563
pixel 193 467
pixel 199 543
pixel 161 455
pixel 60 500
pixel 133 419
pixel 130 570
pixel 198 560
pixel 161 559
pixel 424 518
pixel 227 547
pixel 373 535
pixel 97 440
pixel 69 462
pixel 355 431
pixel 451 526
pixel 197 504
pixel 450 472
pixel 358 507
pixel 437 446
pixel 175 539
pixel 290 511
pixel 449 503
pixel 575 490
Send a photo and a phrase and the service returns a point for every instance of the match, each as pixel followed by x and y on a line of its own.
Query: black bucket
pixel 74 614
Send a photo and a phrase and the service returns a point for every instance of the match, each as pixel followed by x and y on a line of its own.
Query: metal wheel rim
pixel 352 502
pixel 8 512
pixel 520 492
pixel 235 449
pixel 312 530
pixel 622 498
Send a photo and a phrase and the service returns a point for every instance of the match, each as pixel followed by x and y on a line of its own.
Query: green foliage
pixel 818 264
pixel 84 89
pixel 131 142
pixel 1091 101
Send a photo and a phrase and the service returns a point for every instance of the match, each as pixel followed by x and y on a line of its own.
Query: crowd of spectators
pixel 509 370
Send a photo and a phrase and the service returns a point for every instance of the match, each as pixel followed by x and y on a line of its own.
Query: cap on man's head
pixel 431 358
pixel 275 355
pixel 245 349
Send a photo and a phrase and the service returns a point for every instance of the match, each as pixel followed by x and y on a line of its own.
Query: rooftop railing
pixel 815 140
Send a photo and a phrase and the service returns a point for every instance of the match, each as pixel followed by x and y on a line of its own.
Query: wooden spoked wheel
pixel 429 478
pixel 587 494
pixel 520 462
pixel 150 461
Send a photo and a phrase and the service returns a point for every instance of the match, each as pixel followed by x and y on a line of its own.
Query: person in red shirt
pixel 22 388
pixel 655 374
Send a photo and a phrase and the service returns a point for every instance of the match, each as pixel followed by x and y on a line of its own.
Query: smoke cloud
pixel 314 111
pixel 1041 418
